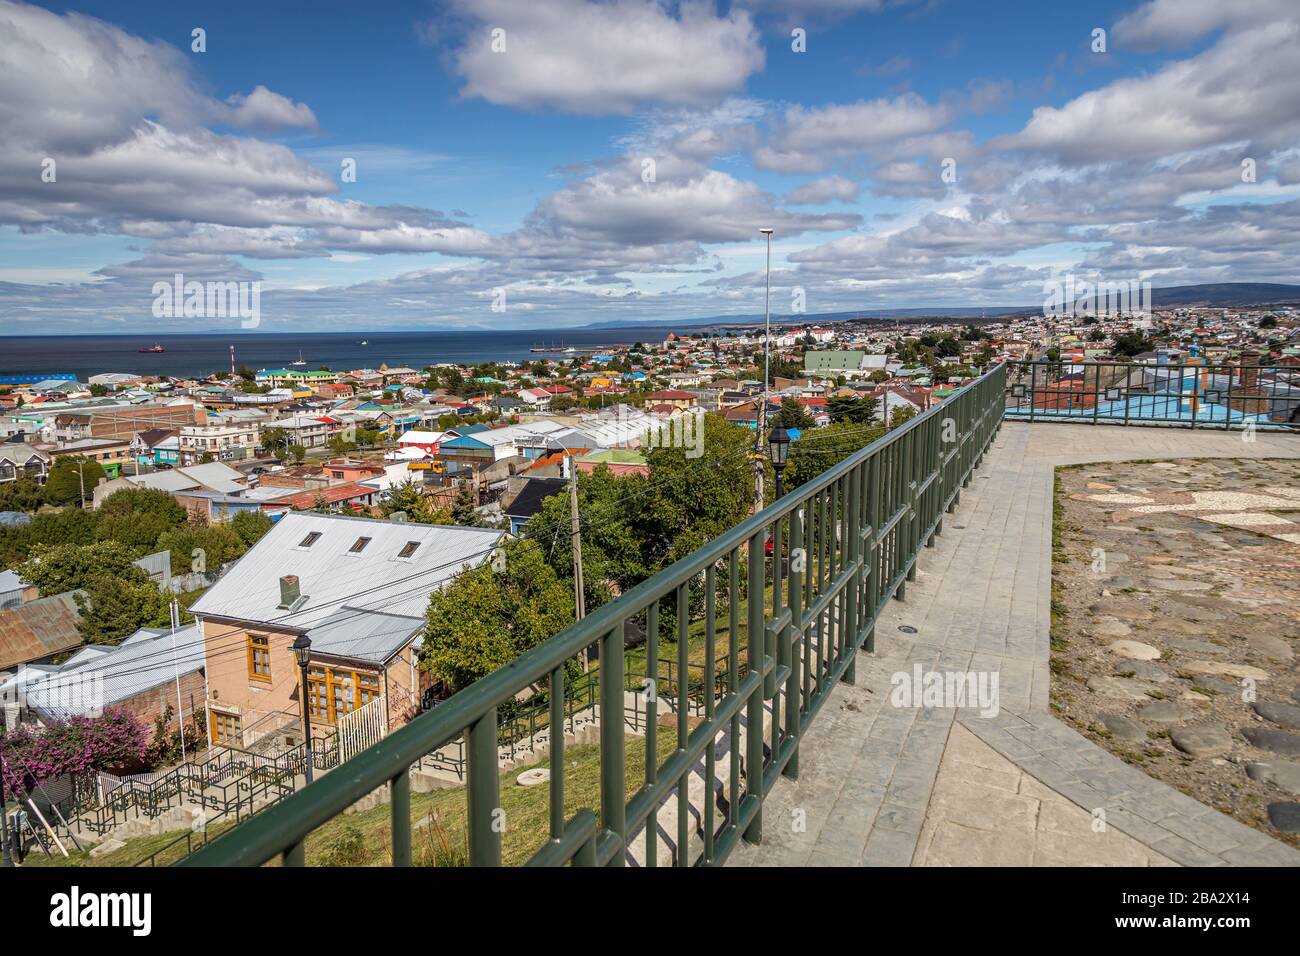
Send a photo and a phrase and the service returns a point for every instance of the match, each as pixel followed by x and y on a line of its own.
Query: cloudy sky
pixel 586 161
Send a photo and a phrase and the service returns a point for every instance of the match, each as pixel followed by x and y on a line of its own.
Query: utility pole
pixel 176 671
pixel 81 480
pixel 761 429
pixel 575 527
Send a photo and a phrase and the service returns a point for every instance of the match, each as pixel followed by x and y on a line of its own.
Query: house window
pixel 358 546
pixel 408 549
pixel 259 657
pixel 308 541
pixel 226 728
pixel 332 694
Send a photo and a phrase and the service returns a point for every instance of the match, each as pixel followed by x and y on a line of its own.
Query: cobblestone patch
pixel 1175 618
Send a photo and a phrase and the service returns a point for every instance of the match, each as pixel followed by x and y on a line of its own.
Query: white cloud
pixel 823 191
pixel 601 58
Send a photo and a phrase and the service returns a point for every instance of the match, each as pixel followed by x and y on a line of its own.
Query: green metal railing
pixel 852 536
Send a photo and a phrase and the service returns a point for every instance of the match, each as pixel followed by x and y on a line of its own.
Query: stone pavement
pixel 867 794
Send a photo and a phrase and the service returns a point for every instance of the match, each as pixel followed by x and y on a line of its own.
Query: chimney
pixel 290 592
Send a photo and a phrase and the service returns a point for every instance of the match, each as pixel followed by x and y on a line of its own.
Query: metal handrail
pixel 860 526
pixel 1190 394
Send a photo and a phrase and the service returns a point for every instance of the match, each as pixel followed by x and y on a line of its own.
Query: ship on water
pixel 154 348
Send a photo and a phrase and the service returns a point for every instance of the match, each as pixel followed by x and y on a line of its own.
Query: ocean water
pixel 202 354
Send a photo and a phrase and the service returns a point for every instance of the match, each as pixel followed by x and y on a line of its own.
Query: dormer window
pixel 311 539
pixel 408 549
pixel 358 546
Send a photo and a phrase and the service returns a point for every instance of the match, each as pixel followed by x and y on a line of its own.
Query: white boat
pixel 300 361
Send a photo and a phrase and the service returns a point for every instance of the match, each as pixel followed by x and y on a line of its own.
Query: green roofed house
pixel 834 363
pixel 620 461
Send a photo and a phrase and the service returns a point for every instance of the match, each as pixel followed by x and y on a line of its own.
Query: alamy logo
pixel 680 431
pixel 75 909
pixel 81 691
pixel 208 300
pixel 921 688
pixel 1076 297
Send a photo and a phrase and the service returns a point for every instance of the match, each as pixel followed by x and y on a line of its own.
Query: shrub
pixel 113 741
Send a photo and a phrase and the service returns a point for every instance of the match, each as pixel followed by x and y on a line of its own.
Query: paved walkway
pixel 867 792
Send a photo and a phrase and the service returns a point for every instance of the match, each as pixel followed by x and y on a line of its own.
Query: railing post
pixel 613 779
pixel 793 686
pixel 755 639
pixel 401 807
pixel 483 791
pixel 850 625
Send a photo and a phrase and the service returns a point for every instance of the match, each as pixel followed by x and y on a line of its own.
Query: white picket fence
pixel 362 728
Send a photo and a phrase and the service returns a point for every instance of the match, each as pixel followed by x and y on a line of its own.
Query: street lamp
pixel 302 653
pixel 767 321
pixel 778 446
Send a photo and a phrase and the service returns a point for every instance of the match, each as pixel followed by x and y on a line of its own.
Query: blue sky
pixel 519 175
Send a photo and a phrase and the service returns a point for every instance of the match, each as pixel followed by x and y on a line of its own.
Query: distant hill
pixel 1226 294
pixel 1180 296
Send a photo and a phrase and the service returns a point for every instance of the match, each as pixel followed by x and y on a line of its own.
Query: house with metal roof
pixel 39 630
pixel 357 589
pixel 150 673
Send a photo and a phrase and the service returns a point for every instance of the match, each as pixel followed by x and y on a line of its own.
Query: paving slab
pixel 982 600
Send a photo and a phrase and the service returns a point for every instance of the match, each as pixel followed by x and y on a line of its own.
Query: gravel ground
pixel 1175 625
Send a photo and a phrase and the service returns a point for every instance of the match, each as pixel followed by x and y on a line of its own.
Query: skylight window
pixel 311 539
pixel 358 546
pixel 408 549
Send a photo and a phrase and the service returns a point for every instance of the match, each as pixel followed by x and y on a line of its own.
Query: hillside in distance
pixel 1209 295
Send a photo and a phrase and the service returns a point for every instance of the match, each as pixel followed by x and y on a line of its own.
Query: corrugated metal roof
pixel 369 636
pixel 38 629
pixel 374 579
pixel 144 660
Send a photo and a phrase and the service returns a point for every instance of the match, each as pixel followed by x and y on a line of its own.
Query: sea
pixel 201 354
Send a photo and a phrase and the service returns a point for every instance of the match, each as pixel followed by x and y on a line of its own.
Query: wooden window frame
pixel 259 645
pixel 226 727
pixel 327 686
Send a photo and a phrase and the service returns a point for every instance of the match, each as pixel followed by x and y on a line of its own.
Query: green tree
pixel 901 415
pixel 276 441
pixel 298 453
pixel 250 526
pixel 813 454
pixel 196 548
pixel 138 516
pixel 409 499
pixel 54 569
pixel 847 408
pixel 115 607
pixel 462 508
pixel 484 618
pixel 793 415
pixel 65 483
pixel 22 494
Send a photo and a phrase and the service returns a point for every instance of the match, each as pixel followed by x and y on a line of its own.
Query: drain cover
pixel 907 628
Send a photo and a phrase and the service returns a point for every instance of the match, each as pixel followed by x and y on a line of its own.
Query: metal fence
pixel 853 535
pixel 1202 395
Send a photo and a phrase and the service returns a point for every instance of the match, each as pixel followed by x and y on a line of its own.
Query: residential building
pixel 149 674
pixel 228 440
pixel 523 498
pixel 39 630
pixel 112 454
pixel 344 583
pixel 19 460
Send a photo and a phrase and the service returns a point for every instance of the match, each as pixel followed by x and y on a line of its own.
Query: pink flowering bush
pixel 114 741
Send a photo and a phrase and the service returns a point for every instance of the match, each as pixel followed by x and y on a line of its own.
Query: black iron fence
pixel 1190 394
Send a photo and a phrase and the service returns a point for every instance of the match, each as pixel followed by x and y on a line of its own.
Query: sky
pixel 540 164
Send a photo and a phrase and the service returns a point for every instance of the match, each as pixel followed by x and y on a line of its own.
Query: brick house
pixel 140 675
pixel 345 583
